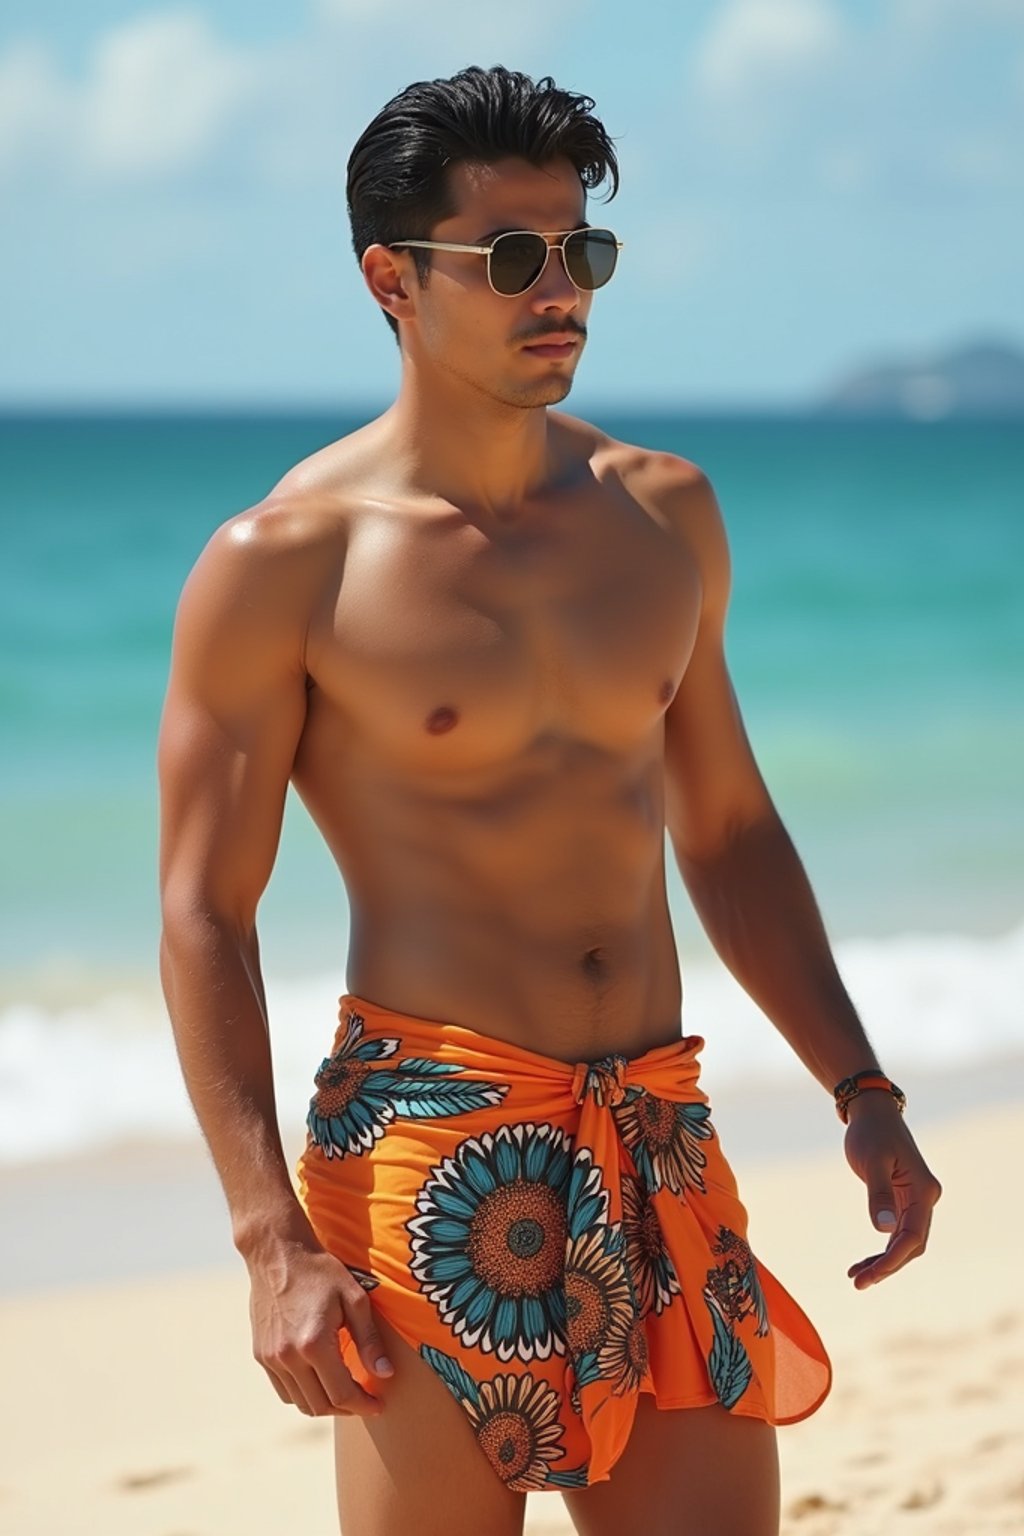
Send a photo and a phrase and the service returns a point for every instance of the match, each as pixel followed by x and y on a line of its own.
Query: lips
pixel 558 340
pixel 553 350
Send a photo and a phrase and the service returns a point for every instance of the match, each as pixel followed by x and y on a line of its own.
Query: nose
pixel 555 289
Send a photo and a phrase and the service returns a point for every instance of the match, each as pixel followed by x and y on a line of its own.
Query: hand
pixel 300 1297
pixel 880 1150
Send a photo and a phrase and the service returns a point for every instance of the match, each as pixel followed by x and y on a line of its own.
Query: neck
pixel 448 439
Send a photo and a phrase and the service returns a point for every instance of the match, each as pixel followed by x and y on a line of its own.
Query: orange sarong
pixel 551 1238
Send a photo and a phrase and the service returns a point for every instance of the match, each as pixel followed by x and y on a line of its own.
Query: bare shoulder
pixel 674 491
pixel 299 532
pixel 274 556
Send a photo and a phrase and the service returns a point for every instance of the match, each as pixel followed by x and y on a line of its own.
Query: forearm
pixel 214 992
pixel 757 906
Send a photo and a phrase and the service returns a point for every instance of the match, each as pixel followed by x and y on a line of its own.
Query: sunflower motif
pixel 516 1422
pixel 598 1295
pixel 623 1358
pixel 654 1276
pixel 664 1138
pixel 355 1100
pixel 488 1245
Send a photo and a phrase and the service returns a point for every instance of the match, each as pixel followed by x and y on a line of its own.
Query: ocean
pixel 876 642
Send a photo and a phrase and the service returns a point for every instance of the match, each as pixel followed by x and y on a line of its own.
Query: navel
pixel 593 961
pixel 442 719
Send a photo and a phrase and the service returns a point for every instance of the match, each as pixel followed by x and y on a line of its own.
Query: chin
pixel 541 392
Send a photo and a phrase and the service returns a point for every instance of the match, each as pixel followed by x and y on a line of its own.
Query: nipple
pixel 442 719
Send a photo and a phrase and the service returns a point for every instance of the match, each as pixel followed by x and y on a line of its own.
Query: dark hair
pixel 397 172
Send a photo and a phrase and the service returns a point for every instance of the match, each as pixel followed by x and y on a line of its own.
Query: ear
pixel 386 274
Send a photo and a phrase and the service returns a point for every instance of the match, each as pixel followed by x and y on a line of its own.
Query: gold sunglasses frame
pixel 485 250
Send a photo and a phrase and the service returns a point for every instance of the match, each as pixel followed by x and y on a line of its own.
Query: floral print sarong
pixel 551 1238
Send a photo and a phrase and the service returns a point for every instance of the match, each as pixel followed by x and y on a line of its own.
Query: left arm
pixel 752 894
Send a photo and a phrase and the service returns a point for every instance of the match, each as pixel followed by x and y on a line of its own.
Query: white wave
pixel 926 1001
pixel 74 1078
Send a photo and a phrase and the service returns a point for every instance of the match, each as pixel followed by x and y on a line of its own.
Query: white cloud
pixel 162 88
pixel 160 93
pixel 157 93
pixel 791 89
pixel 754 45
pixel 35 112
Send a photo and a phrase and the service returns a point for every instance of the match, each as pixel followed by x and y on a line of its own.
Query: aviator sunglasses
pixel 516 259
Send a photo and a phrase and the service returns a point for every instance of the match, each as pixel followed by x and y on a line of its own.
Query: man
pixel 484 641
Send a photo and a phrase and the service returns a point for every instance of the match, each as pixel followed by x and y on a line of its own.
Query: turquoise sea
pixel 876 641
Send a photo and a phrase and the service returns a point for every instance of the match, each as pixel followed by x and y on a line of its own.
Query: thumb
pixel 882 1207
pixel 368 1341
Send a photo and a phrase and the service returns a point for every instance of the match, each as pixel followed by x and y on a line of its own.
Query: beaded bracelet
pixel 871 1078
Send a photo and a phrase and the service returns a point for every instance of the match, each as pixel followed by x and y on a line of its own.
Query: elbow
pixel 194 919
pixel 706 843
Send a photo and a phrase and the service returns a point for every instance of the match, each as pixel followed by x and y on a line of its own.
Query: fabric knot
pixel 605 1080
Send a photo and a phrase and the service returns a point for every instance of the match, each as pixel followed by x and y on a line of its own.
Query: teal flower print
pixel 663 1138
pixel 488 1242
pixel 355 1101
pixel 515 1420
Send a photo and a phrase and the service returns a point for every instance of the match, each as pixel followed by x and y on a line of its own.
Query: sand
pixel 133 1405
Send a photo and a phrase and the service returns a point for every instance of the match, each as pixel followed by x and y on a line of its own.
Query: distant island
pixel 981 378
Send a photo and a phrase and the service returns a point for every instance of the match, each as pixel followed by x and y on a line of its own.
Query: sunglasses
pixel 516 259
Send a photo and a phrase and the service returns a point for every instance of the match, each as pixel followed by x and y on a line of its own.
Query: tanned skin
pixel 484 641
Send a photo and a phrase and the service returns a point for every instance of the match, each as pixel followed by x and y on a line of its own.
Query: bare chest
pixel 447 650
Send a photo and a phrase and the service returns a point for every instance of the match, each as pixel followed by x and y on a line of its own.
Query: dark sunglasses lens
pixel 517 261
pixel 590 257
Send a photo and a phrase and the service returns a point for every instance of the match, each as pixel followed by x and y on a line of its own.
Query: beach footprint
pixel 815 1504
pixel 137 1482
pixel 924 1495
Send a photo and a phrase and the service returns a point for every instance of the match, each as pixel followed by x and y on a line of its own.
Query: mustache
pixel 560 329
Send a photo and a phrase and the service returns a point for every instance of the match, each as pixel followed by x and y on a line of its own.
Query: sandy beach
pixel 133 1406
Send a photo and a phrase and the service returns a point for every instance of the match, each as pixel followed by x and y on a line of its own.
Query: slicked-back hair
pixel 398 186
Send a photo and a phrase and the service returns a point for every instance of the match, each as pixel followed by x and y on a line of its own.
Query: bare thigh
pixel 686 1472
pixel 418 1466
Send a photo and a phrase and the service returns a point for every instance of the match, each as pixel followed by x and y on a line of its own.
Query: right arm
pixel 233 716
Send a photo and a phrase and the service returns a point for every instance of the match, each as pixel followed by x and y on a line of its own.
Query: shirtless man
pixel 484 640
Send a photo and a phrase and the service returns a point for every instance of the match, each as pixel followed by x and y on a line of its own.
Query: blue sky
pixel 808 185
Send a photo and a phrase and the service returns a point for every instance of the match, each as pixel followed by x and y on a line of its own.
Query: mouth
pixel 554 346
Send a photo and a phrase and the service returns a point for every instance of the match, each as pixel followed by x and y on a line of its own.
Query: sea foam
pixel 82 1077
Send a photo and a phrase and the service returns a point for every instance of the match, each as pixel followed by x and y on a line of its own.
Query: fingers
pixel 908 1242
pixel 902 1192
pixel 328 1388
pixel 882 1205
pixel 903 1247
pixel 311 1375
pixel 278 1385
pixel 361 1323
